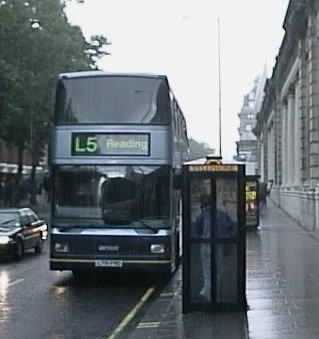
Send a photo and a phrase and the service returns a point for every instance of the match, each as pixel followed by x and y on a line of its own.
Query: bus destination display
pixel 116 144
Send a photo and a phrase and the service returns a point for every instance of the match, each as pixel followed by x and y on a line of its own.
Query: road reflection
pixel 4 281
pixel 217 325
pixel 4 307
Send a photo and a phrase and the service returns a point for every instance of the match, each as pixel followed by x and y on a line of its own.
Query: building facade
pixel 287 126
pixel 9 160
pixel 247 144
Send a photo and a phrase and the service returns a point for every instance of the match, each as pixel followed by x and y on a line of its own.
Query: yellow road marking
pixel 150 324
pixel 15 282
pixel 132 313
pixel 167 294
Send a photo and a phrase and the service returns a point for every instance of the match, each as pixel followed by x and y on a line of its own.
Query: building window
pixel 248 128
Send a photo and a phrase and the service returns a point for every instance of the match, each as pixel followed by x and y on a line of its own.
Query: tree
pixel 36 43
pixel 199 149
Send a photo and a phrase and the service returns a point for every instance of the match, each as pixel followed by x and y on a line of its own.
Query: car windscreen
pixel 112 195
pixel 112 100
pixel 9 220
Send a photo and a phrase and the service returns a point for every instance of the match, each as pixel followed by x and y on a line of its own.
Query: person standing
pixel 203 231
pixel 263 193
pixel 223 228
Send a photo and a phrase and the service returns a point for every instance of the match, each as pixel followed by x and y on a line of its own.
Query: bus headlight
pixel 157 248
pixel 61 247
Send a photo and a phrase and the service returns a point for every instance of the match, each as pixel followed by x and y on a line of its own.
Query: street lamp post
pixel 35 26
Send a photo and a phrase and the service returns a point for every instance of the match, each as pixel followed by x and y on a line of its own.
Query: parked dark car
pixel 20 230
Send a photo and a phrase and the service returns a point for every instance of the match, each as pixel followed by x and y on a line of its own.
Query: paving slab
pixel 282 291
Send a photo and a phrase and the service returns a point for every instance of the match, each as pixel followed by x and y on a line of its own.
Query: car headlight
pixel 157 248
pixel 60 247
pixel 44 235
pixel 44 227
pixel 4 240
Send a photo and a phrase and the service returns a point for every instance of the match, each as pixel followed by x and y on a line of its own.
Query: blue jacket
pixel 224 228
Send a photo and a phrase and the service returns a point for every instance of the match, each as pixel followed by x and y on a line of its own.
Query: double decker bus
pixel 116 153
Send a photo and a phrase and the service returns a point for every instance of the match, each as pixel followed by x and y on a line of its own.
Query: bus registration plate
pixel 108 263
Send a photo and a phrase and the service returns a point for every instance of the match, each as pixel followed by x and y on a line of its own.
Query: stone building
pixel 9 160
pixel 247 144
pixel 287 126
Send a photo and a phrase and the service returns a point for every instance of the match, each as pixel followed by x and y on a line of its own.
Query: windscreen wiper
pixel 7 222
pixel 146 225
pixel 4 229
pixel 69 227
pixel 88 226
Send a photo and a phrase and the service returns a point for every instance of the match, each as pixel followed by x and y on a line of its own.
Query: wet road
pixel 37 303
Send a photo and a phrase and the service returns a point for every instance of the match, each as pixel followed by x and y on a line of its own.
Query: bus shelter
pixel 214 232
pixel 252 201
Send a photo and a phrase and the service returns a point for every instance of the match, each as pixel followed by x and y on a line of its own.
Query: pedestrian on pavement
pixel 269 186
pixel 262 195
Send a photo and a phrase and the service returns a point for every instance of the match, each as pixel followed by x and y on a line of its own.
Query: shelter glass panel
pixel 226 208
pixel 226 273
pixel 251 203
pixel 200 208
pixel 200 276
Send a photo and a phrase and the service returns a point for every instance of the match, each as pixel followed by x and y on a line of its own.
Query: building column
pixel 271 152
pixel 290 143
pixel 287 169
pixel 314 106
pixel 286 145
pixel 262 158
pixel 297 138
pixel 283 144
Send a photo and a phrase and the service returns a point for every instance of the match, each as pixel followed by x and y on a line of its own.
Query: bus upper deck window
pixel 162 104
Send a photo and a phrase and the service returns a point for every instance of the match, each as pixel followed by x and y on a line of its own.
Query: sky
pixel 179 38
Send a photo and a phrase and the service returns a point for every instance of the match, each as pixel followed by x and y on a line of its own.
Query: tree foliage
pixel 199 149
pixel 36 43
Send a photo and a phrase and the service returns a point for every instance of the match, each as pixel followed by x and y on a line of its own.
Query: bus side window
pixel 175 116
pixel 163 104
pixel 179 126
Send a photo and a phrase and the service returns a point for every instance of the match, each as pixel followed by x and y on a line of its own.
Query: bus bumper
pixel 69 264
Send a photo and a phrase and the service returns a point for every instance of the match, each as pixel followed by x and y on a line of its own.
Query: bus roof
pixel 89 74
pixel 99 73
pixel 205 161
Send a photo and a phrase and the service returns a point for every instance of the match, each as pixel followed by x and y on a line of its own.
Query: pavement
pixel 282 291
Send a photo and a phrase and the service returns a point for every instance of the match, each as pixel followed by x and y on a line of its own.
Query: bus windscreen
pixel 112 100
pixel 112 195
